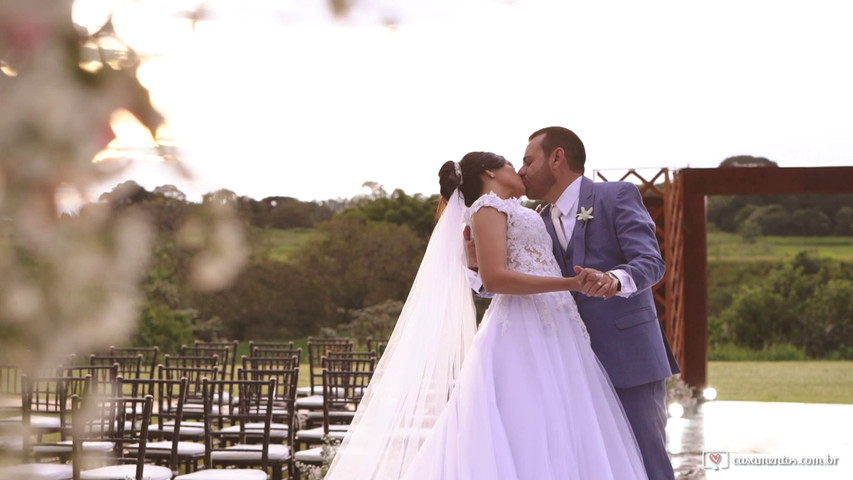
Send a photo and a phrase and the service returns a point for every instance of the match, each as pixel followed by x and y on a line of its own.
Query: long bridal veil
pixel 415 376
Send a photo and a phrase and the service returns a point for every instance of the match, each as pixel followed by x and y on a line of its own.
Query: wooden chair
pixel 224 353
pixel 165 445
pixel 243 444
pixel 378 346
pixel 128 366
pixel 317 349
pixel 104 377
pixel 194 402
pixel 270 345
pixel 150 357
pixel 342 392
pixel 121 422
pixel 277 352
pixel 270 363
pixel 342 362
pixel 231 345
pixel 11 390
pixel 284 420
pixel 46 402
pixel 11 398
pixel 193 361
pixel 46 408
pixel 368 358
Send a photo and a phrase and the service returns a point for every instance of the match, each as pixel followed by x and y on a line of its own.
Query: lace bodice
pixel 529 250
pixel 529 247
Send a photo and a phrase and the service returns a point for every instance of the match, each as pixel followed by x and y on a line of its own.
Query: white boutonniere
pixel 585 215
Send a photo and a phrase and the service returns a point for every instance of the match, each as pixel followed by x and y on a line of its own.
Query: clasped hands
pixel 594 283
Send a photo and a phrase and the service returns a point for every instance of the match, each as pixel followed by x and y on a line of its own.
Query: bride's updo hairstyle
pixel 470 183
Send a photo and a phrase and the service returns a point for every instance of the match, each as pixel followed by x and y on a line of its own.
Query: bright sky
pixel 275 99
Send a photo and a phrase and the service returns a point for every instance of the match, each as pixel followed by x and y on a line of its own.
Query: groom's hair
pixel 559 137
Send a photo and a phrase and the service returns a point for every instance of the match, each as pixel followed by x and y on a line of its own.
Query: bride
pixel 522 398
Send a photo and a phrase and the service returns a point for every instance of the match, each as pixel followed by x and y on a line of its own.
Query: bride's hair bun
pixel 449 178
pixel 465 175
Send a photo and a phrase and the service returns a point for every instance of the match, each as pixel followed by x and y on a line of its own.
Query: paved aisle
pixel 764 432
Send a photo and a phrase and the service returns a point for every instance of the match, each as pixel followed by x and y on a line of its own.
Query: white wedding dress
pixel 531 400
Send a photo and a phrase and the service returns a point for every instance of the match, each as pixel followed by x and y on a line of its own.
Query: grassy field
pixel 721 245
pixel 729 246
pixel 807 382
pixel 762 381
pixel 283 243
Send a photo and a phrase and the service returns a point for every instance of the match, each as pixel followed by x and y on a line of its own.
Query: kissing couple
pixel 565 376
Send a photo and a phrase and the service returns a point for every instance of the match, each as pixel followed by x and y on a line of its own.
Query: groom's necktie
pixel 557 218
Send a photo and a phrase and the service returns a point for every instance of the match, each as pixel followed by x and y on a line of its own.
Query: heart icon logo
pixel 715 457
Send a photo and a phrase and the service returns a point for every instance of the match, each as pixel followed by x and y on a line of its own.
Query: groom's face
pixel 535 173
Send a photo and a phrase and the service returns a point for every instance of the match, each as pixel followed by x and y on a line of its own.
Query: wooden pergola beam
pixel 697 185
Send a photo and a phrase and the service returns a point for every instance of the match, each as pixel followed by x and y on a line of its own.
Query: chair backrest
pixel 150 357
pixel 192 361
pixel 277 352
pixel 368 355
pixel 194 404
pixel 342 391
pixel 271 345
pixel 104 377
pixel 255 400
pixel 128 366
pixel 284 397
pixel 232 345
pixel 118 420
pixel 317 349
pixel 11 390
pixel 226 360
pixel 270 363
pixel 170 396
pixel 230 361
pixel 344 364
pixel 50 396
pixel 378 346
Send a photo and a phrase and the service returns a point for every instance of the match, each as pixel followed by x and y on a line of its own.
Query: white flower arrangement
pixel 318 472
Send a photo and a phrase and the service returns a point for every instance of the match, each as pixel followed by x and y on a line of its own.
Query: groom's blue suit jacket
pixel 625 332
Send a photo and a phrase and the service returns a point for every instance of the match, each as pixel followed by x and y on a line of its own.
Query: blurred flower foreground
pixel 71 283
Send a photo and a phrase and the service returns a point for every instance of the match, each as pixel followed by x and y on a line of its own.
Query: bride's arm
pixel 490 239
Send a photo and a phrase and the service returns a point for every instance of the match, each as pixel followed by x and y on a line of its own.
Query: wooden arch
pixel 676 202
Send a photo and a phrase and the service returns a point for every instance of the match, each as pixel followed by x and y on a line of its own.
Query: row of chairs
pixel 207 409
pixel 135 362
pixel 113 436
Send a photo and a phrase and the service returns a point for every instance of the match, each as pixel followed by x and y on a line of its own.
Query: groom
pixel 606 227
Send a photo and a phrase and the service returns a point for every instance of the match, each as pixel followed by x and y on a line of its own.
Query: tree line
pixel 362 263
pixel 782 215
pixel 367 252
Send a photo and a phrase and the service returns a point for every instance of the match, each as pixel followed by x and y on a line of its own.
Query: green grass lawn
pixel 284 243
pixel 728 246
pixel 721 245
pixel 807 382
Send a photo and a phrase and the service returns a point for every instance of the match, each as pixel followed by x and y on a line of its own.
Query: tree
pixel 828 320
pixel 774 219
pixel 416 211
pixel 749 231
pixel 843 221
pixel 747 161
pixel 358 263
pixel 811 222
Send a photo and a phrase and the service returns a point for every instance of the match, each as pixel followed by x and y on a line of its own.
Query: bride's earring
pixel 491 175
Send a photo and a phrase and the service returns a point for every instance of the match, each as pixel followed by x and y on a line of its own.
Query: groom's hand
pixel 470 248
pixel 595 283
